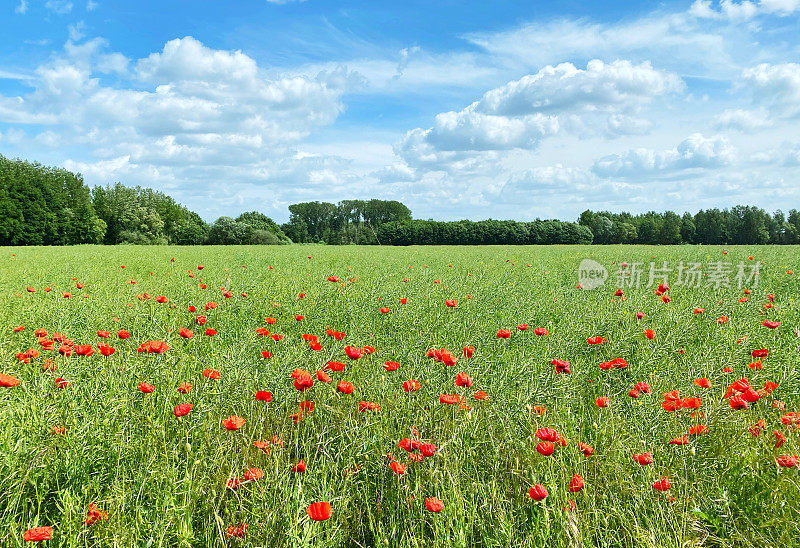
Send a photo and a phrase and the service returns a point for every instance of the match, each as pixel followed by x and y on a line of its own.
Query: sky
pixel 459 109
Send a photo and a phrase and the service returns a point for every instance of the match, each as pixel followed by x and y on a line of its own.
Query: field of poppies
pixel 366 396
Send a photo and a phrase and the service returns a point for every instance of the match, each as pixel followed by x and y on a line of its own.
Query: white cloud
pixel 77 31
pixel 91 5
pixel 694 152
pixel 22 8
pixel 742 10
pixel 777 87
pixel 60 7
pixel 743 120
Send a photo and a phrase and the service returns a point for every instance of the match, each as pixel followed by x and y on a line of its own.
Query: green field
pixel 162 480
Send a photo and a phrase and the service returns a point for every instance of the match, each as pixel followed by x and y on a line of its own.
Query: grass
pixel 162 480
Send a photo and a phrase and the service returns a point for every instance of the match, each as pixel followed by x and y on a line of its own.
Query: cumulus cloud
pixel 743 10
pixel 60 7
pixel 776 87
pixel 743 120
pixel 694 152
pixel 22 7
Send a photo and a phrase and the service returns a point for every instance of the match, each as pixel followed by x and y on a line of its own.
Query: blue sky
pixel 460 110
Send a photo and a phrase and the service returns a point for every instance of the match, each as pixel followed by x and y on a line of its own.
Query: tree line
pixel 42 205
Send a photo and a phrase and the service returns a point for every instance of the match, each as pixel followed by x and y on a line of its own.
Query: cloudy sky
pixel 471 109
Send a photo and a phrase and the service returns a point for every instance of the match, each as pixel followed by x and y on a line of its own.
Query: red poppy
pixel 586 449
pixel 468 351
pixel 562 366
pixel 771 324
pixel 643 458
pixel 146 388
pixel 182 409
pixel 384 310
pixel 353 353
pixel 211 332
pixel 368 349
pixel 602 401
pixel 504 334
pixel 368 406
pixel 545 448
pixel 433 504
pixel 449 399
pixel 345 387
pixel 638 315
pixel 398 468
pixel 7 381
pixel 94 514
pixel 266 354
pixel 233 422
pixel 760 353
pixel 322 376
pixel 237 531
pixel 595 340
pixel 262 395
pixel 153 347
pixel 319 511
pixel 303 381
pixel 36 534
pixel 662 485
pixel 122 334
pixel 480 395
pixel 185 333
pixel 576 484
pixel 541 332
pixel 462 379
pixel 522 327
pixel 738 402
pixel 538 492
pixel 185 388
pixel 427 449
pixel 699 310
pixel 703 383
pixel 649 333
pixel 411 386
pixel 62 383
pixel 619 293
pixel 211 374
pixel 403 300
pixel 276 337
pixel 390 366
pixel 270 320
pixel 779 438
pixel 683 440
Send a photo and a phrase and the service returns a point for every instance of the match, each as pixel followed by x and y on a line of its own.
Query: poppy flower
pixel 353 353
pixel 449 399
pixel 468 351
pixel 266 354
pixel 233 422
pixel 211 332
pixel 200 320
pixel 738 402
pixel 462 379
pixel 322 376
pixel 368 406
pixel 586 449
pixel 94 514
pixel 602 401
pixel 703 383
pixel 760 353
pixel 619 293
pixel 427 449
pixel 662 485
pixel 504 334
pixel 576 484
pixel 211 374
pixel 300 466
pixel 185 388
pixel 398 468
pixel 683 440
pixel 770 386
pixel 691 403
pixel 153 347
pixel 101 334
pixel 385 310
pixel 411 386
pixel 541 332
pixel 649 333
pixel 403 300
pixel 545 448
pixel 182 409
pixel 345 387
pixel 791 418
pixel 161 299
pixel 562 366
pixel 146 388
pixel 237 531
pixel 480 395
pixel 538 492
pixel 319 511
pixel 262 395
pixel 303 381
pixel 771 324
pixel 185 333
pixel 522 327
pixel 62 383
pixel 298 317
pixel 433 504
pixel 368 349
pixel 314 345
pixel 36 534
pixel 122 334
pixel 270 320
pixel 643 458
pixel 276 337
pixel 595 340
pixel 643 387
pixel 779 438
pixel 638 315
pixel 390 366
pixel 7 381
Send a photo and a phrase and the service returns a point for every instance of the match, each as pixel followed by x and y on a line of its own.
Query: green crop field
pixel 457 460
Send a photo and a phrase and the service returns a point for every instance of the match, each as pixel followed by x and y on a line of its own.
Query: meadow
pixel 102 450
